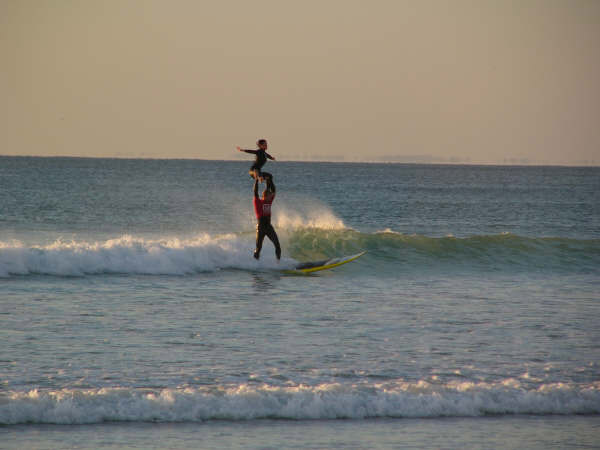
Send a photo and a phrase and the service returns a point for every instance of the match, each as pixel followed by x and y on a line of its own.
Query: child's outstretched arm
pixel 269 156
pixel 247 151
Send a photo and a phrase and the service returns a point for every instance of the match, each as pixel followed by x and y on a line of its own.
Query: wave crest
pixel 326 401
pixel 302 240
pixel 390 250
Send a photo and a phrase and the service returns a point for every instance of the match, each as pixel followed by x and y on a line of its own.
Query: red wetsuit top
pixel 262 208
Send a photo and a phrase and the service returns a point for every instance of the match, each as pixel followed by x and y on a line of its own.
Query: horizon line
pixel 333 161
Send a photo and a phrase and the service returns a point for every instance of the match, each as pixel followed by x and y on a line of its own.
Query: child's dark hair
pixel 261 142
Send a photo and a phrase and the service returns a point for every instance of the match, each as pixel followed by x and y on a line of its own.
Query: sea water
pixel 132 313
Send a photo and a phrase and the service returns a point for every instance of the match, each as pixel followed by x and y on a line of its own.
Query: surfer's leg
pixel 260 237
pixel 271 234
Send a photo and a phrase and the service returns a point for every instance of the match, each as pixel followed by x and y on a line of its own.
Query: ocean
pixel 133 315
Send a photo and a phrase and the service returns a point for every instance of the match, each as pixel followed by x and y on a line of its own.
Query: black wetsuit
pixel 261 159
pixel 264 228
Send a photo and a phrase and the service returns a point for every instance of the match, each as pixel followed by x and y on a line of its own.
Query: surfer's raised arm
pixel 270 184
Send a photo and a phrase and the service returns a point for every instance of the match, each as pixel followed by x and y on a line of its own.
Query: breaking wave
pixel 129 255
pixel 326 401
pixel 388 251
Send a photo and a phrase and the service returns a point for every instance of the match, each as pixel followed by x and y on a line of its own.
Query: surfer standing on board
pixel 262 209
pixel 261 158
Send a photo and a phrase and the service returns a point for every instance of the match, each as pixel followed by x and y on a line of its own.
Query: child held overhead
pixel 261 158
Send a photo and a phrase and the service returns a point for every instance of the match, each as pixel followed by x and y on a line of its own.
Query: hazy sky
pixel 479 81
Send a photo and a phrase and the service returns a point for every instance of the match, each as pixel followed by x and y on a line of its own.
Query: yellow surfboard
pixel 315 266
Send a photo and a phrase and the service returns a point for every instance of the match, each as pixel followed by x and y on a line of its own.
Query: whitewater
pixel 328 401
pixel 132 313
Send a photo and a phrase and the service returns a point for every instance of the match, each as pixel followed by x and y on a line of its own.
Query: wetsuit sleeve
pixel 250 151
pixel 256 188
pixel 269 156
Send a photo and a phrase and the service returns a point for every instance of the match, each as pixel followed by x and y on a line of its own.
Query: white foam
pixel 320 218
pixel 388 231
pixel 130 255
pixel 326 401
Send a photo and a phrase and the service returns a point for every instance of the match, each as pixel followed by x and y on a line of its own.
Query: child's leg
pixel 255 171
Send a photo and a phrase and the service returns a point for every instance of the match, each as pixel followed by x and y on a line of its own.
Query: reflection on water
pixel 262 283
